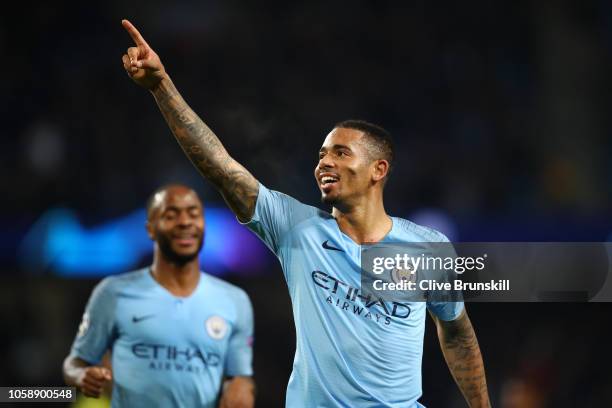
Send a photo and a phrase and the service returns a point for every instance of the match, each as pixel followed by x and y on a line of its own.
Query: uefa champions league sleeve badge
pixel 84 326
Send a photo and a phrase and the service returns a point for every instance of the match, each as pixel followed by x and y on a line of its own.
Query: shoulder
pixel 111 284
pixel 229 291
pixel 286 200
pixel 418 233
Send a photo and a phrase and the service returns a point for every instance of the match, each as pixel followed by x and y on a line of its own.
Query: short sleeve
pixel 96 331
pixel 240 349
pixel 447 310
pixel 275 215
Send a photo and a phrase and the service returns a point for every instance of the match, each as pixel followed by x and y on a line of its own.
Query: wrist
pixel 77 374
pixel 482 402
pixel 162 86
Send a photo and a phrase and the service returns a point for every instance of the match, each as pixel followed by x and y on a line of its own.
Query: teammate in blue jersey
pixel 350 352
pixel 178 337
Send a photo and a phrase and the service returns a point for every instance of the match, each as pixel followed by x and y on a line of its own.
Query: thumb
pixel 100 373
pixel 106 373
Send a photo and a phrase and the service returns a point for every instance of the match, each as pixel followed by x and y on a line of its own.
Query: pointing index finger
pixel 134 33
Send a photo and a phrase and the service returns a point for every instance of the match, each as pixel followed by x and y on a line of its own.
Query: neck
pixel 178 279
pixel 364 221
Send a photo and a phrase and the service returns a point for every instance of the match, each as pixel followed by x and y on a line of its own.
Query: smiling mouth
pixel 185 239
pixel 327 181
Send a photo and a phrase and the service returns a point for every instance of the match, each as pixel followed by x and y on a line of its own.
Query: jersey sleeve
pixel 446 310
pixel 275 216
pixel 240 349
pixel 96 331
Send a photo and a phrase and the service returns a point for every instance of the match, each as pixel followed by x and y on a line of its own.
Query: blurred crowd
pixel 496 108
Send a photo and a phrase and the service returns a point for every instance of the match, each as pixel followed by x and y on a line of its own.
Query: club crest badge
pixel 216 327
pixel 408 275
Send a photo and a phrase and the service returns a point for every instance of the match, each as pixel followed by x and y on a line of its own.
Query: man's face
pixel 177 224
pixel 344 168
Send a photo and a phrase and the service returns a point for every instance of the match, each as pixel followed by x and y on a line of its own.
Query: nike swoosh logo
pixel 141 318
pixel 327 246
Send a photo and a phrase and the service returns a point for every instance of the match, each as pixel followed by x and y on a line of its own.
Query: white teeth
pixel 327 179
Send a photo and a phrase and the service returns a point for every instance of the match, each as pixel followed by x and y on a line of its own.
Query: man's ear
pixel 150 230
pixel 381 169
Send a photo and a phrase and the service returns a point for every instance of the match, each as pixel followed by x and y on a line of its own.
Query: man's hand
pixel 93 380
pixel 238 392
pixel 141 63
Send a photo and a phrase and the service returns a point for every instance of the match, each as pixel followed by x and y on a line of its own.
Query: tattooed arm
pixel 462 354
pixel 238 187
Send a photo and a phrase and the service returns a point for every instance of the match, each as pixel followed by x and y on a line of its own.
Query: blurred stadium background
pixel 500 111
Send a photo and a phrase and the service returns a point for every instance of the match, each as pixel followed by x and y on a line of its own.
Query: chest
pixel 164 325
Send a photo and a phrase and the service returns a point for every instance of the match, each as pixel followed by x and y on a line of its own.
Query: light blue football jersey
pixel 351 351
pixel 167 351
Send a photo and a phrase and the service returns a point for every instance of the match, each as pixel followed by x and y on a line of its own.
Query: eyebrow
pixel 335 147
pixel 175 208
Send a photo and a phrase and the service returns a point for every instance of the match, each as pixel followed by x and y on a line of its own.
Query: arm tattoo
pixel 238 187
pixel 462 354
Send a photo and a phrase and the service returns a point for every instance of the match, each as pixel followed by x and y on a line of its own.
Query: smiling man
pixel 174 332
pixel 351 351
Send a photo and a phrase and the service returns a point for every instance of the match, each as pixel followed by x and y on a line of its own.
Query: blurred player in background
pixel 350 351
pixel 174 332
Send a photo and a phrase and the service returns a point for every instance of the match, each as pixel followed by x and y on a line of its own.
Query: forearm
pixel 91 380
pixel 238 187
pixel 462 353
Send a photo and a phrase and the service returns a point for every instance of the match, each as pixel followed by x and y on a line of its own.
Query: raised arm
pixel 238 187
pixel 462 354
